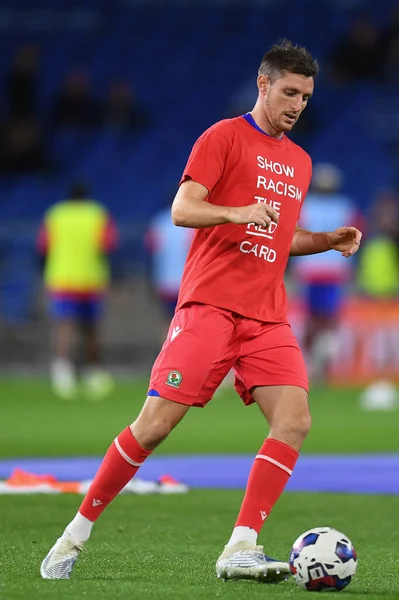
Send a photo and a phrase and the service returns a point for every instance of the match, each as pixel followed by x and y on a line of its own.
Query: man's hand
pixel 261 214
pixel 345 240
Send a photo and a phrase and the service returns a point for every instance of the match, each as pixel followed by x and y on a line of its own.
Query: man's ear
pixel 263 82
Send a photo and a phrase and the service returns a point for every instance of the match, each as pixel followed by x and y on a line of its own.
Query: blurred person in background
pixel 391 63
pixel 76 106
pixel 323 278
pixel 76 237
pixel 242 190
pixel 378 274
pixel 357 55
pixel 168 246
pixel 21 82
pixel 390 33
pixel 123 111
pixel 378 280
pixel 22 148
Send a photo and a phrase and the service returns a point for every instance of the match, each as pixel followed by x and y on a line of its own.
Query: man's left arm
pixel 344 239
pixel 109 240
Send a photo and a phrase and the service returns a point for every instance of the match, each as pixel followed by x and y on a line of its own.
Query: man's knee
pixel 303 424
pixel 294 428
pixel 156 420
pixel 151 434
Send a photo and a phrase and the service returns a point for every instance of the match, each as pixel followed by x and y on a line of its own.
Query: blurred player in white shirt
pixel 168 246
pixel 323 278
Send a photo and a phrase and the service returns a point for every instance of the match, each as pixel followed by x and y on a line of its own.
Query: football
pixel 323 559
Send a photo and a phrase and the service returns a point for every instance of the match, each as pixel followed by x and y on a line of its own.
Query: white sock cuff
pixel 124 455
pixel 274 462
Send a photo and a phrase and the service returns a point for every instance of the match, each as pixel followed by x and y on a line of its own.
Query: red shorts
pixel 204 342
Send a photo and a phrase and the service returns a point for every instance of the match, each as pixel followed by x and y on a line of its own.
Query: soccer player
pixel 242 189
pixel 168 246
pixel 75 239
pixel 323 278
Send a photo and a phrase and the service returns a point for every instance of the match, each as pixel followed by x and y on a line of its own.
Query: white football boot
pixel 59 562
pixel 245 561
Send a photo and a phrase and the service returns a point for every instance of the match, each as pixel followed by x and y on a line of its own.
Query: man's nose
pixel 297 104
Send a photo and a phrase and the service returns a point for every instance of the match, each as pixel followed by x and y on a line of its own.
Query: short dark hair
pixel 287 57
pixel 78 190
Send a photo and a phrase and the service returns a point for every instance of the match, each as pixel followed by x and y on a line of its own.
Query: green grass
pixel 34 423
pixel 165 547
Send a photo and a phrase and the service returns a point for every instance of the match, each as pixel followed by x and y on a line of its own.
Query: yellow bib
pixel 75 261
pixel 378 269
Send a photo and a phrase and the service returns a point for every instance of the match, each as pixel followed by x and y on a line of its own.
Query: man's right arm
pixel 190 209
pixel 42 240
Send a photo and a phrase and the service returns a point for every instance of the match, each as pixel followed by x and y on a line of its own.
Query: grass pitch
pixel 33 422
pixel 165 547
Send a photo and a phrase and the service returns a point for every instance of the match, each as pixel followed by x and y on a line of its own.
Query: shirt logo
pixel 175 332
pixel 174 379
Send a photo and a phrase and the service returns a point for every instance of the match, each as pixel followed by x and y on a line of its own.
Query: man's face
pixel 285 99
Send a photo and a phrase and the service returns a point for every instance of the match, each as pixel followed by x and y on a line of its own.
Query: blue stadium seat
pixel 186 64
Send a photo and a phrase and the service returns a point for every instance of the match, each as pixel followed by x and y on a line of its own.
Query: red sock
pixel 122 460
pixel 268 477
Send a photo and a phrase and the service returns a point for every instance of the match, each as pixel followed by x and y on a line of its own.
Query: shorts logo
pixel 174 379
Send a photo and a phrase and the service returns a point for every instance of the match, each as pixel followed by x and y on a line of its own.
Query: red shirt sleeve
pixel 42 240
pixel 110 236
pixel 207 160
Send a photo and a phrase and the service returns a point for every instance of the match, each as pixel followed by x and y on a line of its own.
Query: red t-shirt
pixel 241 267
